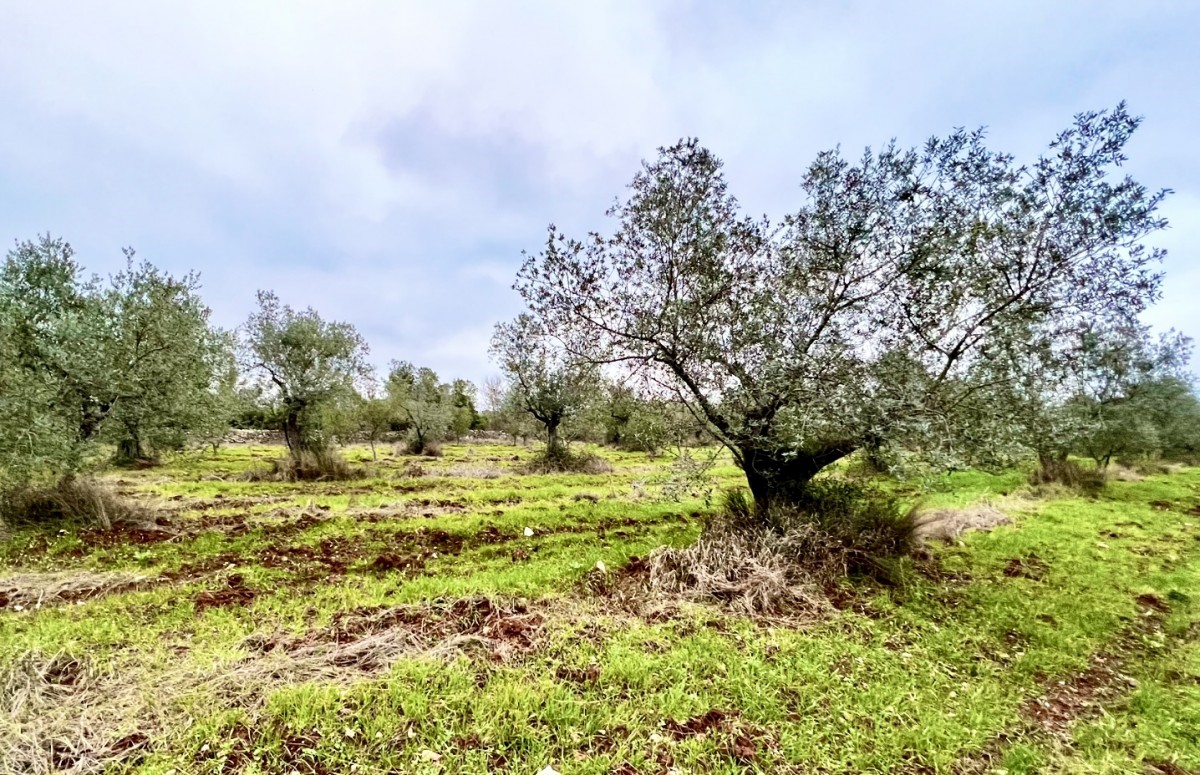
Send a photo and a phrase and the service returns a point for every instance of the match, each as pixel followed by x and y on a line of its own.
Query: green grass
pixel 931 676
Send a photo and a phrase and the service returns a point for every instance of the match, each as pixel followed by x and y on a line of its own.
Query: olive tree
pixel 871 314
pixel 166 363
pixel 550 386
pixel 426 404
pixel 1175 410
pixel 376 413
pixel 306 363
pixel 133 360
pixel 1126 385
pixel 503 410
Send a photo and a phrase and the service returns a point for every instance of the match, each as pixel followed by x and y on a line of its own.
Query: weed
pixel 562 460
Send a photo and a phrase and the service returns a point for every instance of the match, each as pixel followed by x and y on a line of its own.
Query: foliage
pixel 425 402
pixel 132 360
pixel 875 311
pixel 644 424
pixel 504 411
pixel 464 416
pixel 376 414
pixel 550 386
pixel 305 363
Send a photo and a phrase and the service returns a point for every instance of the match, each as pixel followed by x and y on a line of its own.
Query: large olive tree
pixel 872 313
pixel 425 403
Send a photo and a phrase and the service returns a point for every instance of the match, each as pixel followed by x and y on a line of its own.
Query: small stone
pixel 430 756
pixel 528 532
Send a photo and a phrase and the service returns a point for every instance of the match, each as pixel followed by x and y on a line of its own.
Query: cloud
pixel 387 163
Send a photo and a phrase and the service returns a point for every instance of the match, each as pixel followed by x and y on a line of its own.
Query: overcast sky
pixel 386 163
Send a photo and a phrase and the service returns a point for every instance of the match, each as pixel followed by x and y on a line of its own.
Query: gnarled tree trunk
pixel 779 479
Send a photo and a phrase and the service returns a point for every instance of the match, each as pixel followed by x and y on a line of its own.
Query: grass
pixel 403 623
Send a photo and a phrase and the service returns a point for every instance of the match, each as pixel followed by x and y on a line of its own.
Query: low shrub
pixel 1070 474
pixel 563 460
pixel 422 448
pixel 75 502
pixel 308 467
pixel 1148 466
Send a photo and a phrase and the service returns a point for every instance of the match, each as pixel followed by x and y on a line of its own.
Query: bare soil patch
pixel 233 593
pixel 741 740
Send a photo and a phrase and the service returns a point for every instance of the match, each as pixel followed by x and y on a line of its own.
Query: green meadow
pixel 452 615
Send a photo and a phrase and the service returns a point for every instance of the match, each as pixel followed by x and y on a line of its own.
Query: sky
pixel 387 162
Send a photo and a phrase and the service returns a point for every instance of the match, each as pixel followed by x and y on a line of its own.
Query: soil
pixel 1082 695
pixel 507 630
pixel 741 740
pixel 1029 567
pixel 234 593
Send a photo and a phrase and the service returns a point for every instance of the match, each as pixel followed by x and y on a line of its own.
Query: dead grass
pixel 566 462
pixel 753 573
pixel 31 591
pixel 949 524
pixel 1122 473
pixel 63 715
pixel 48 729
pixel 469 471
pixel 1068 473
pixel 73 502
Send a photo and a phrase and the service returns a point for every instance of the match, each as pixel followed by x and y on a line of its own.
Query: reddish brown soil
pixel 740 740
pixel 124 535
pixel 1028 567
pixel 234 593
pixel 510 629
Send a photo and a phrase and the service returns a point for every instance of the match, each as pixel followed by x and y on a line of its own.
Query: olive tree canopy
pixel 545 380
pixel 133 360
pixel 869 316
pixel 306 362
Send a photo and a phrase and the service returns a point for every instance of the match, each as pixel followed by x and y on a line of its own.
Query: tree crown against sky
pixel 872 313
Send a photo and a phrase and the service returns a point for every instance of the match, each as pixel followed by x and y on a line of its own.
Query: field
pixel 451 615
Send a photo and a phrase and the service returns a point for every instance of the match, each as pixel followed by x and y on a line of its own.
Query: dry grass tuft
pixel 1069 474
pixel 75 502
pixel 30 591
pixel 564 461
pixel 1122 473
pixel 754 573
pixel 779 560
pixel 948 524
pixel 469 471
